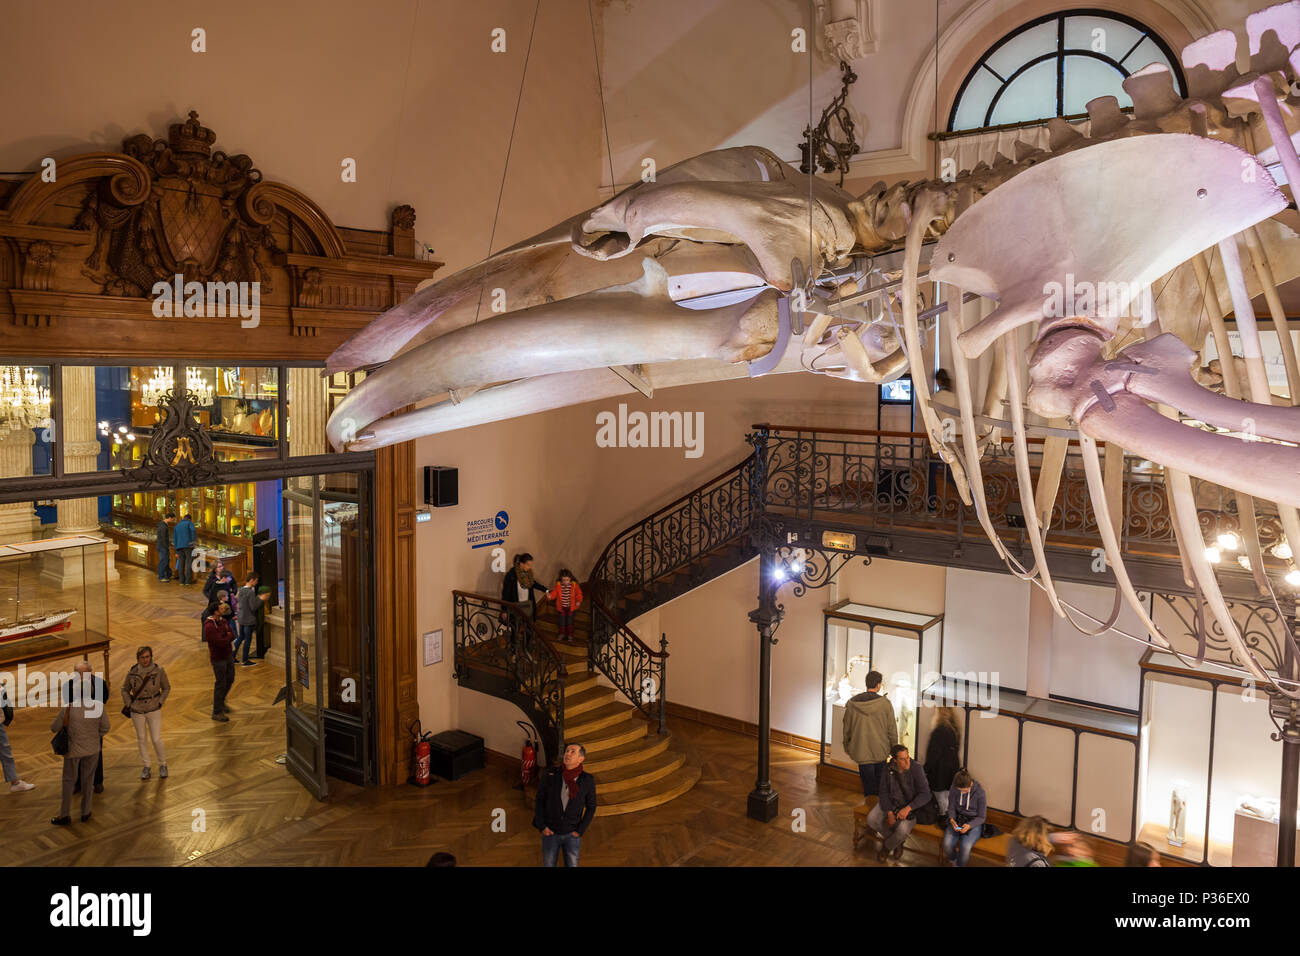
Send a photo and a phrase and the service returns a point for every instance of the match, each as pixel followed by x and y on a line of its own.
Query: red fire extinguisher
pixel 420 751
pixel 528 759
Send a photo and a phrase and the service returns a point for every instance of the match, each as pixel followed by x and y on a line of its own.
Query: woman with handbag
pixel 77 730
pixel 144 691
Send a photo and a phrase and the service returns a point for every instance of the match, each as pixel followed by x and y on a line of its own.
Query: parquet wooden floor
pixel 227 803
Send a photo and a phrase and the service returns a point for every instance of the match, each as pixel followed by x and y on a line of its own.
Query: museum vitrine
pixel 859 638
pixel 53 595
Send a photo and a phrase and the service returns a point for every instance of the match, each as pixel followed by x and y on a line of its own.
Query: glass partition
pixel 901 645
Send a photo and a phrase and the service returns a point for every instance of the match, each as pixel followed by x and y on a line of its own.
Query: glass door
pixel 304 651
pixel 329 597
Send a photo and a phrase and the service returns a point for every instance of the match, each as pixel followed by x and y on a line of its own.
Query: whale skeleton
pixel 732 263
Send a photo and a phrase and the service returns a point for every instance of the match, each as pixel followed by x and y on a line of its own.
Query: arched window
pixel 1054 65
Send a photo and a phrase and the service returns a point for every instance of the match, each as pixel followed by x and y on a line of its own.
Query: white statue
pixel 903 695
pixel 1177 814
pixel 689 278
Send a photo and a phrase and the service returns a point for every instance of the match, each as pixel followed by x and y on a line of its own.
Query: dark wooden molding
pixel 397 704
pixel 745 727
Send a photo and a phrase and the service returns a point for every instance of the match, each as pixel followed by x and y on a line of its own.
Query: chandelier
pixel 24 402
pixel 161 382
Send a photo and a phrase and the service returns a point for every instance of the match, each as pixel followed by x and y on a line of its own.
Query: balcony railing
pixel 888 482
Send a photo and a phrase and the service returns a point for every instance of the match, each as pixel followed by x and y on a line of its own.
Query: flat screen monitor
pixel 897 392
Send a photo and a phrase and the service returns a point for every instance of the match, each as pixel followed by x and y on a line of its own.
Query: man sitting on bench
pixel 903 791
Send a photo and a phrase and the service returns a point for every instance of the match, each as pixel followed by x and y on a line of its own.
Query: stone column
pixel 79 445
pixel 18 521
pixel 307 413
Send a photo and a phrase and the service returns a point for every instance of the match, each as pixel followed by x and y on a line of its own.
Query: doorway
pixel 329 628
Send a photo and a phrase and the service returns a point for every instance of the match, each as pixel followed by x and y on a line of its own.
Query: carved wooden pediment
pixel 200 218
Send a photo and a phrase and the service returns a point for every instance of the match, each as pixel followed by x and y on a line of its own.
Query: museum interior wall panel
pixel 986 626
pixel 1101 670
pixel 991 756
pixel 1105 783
pixel 1046 771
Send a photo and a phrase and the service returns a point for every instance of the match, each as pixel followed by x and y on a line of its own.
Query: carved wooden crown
pixel 191 136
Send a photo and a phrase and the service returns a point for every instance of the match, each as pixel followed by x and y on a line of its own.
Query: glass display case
pixel 1210 772
pixel 858 638
pixel 53 598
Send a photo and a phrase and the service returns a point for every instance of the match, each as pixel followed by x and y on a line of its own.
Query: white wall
pixel 986 626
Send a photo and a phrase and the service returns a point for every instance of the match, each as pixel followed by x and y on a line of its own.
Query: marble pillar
pixel 80 450
pixel 18 521
pixel 307 413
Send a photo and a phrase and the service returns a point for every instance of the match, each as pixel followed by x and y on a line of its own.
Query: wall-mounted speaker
pixel 441 486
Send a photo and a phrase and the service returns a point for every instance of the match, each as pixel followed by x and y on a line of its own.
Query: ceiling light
pixel 1212 555
pixel 1243 561
pixel 1228 541
pixel 1281 550
pixel 1293 578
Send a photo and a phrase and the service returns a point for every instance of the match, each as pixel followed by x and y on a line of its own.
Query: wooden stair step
pixel 643 773
pixel 605 716
pixel 579 682
pixel 611 738
pixel 651 795
pixel 624 755
pixel 586 700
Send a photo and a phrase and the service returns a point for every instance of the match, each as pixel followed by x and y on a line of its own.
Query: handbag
pixel 60 742
pixel 126 711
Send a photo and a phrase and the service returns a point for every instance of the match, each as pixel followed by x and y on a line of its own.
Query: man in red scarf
pixel 566 803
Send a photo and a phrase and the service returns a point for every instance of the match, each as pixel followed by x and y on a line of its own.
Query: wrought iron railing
pixel 891 481
pixel 647 557
pixel 629 663
pixel 499 648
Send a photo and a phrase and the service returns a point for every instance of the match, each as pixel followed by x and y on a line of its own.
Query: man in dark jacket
pixel 903 791
pixel 221 638
pixel 566 804
pixel 163 545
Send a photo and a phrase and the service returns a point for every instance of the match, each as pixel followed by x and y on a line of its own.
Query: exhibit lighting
pixel 1282 550
pixel 1212 555
pixel 1228 541
pixel 24 402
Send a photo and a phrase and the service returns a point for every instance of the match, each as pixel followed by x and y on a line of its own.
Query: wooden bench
pixel 990 848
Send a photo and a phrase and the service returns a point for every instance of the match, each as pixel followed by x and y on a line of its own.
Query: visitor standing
pixel 567 596
pixel 163 545
pixel 943 754
pixel 144 692
pixel 87 722
pixel 519 587
pixel 183 536
pixel 98 691
pixel 221 640
pixel 870 730
pixel 247 602
pixel 565 806
pixel 16 783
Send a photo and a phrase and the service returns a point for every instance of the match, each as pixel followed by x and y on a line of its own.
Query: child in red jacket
pixel 568 598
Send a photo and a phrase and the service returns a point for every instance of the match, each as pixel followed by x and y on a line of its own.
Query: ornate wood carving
pixel 180 453
pixel 196 220
pixel 79 255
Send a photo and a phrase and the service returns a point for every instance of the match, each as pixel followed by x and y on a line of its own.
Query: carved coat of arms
pixel 201 219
